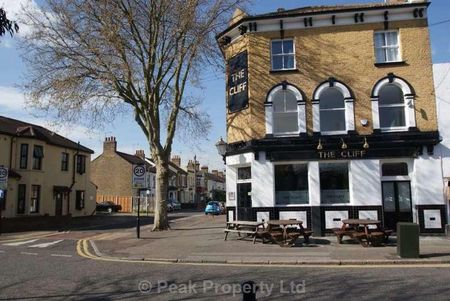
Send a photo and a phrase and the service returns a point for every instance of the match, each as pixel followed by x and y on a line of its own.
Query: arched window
pixel 393 104
pixel 285 111
pixel 333 108
pixel 332 111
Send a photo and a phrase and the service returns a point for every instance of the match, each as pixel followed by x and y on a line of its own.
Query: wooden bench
pixel 376 238
pixel 341 233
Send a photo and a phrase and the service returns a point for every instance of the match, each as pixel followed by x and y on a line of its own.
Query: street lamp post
pixel 138 219
pixel 221 148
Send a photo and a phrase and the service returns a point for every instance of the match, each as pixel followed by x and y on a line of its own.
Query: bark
pixel 162 185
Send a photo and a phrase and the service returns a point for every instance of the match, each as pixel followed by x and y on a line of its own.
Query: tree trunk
pixel 162 186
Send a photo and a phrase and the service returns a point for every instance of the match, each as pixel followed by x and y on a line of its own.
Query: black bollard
pixel 249 289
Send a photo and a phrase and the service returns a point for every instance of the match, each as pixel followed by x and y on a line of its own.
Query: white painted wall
pixel 442 87
pixel 263 186
pixel 428 186
pixel 365 182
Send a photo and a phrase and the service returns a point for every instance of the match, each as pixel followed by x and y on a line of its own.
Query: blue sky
pixel 129 135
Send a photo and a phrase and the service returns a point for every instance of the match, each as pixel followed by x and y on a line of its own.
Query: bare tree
pixel 6 25
pixel 88 59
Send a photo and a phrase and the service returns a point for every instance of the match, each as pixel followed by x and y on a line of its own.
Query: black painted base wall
pixel 316 215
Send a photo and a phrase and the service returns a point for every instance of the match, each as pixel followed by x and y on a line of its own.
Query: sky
pixel 129 136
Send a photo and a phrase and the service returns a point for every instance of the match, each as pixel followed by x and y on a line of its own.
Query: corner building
pixel 331 114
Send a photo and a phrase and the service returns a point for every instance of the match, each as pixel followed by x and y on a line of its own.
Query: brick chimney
pixel 176 160
pixel 205 168
pixel 197 166
pixel 215 172
pixel 110 145
pixel 140 153
pixel 221 174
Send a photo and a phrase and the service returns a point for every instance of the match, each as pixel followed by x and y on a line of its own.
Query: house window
pixel 35 198
pixel 285 112
pixel 283 54
pixel 391 106
pixel 23 156
pixel 79 199
pixel 244 173
pixel 291 184
pixel 81 164
pixel 387 47
pixel 334 183
pixel 21 198
pixel 332 111
pixel 64 161
pixel 38 154
pixel 394 169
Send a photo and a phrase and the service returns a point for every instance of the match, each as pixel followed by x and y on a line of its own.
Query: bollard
pixel 408 240
pixel 447 230
pixel 249 289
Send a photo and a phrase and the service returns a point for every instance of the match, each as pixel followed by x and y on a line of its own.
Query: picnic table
pixel 288 230
pixel 244 227
pixel 359 230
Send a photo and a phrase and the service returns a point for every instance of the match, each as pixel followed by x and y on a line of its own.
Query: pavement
pixel 200 239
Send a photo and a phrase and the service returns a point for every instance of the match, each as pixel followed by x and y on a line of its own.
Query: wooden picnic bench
pixel 359 229
pixel 282 230
pixel 249 228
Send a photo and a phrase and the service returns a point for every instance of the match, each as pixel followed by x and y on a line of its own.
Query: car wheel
pixel 109 210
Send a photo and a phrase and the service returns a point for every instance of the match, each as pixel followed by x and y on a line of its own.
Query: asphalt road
pixel 56 272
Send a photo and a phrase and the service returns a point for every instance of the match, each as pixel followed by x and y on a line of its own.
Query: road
pixel 49 268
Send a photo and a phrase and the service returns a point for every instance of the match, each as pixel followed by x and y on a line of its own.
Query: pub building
pixel 331 114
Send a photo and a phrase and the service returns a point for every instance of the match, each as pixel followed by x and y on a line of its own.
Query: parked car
pixel 108 207
pixel 174 204
pixel 213 208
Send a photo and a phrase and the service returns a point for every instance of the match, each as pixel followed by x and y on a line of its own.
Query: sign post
pixel 3 189
pixel 139 181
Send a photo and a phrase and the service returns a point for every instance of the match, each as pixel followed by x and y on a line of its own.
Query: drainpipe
pixel 73 177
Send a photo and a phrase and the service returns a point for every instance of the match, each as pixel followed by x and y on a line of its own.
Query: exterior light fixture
pixel 344 145
pixel 320 146
pixel 221 147
pixel 365 145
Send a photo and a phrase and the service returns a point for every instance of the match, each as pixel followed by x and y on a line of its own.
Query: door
pixel 397 205
pixel 58 197
pixel 244 199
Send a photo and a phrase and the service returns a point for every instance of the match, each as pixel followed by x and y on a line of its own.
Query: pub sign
pixel 237 85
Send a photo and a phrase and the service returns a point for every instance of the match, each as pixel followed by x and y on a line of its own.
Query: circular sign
pixel 139 170
pixel 3 173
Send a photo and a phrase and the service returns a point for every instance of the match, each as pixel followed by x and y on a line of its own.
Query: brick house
pixel 331 115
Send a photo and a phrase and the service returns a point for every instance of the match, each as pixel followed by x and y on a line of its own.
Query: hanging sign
pixel 237 85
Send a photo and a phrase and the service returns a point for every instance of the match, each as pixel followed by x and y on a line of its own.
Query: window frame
pixel 349 183
pixel 344 109
pixel 23 157
pixel 386 47
pixel 283 163
pixel 285 112
pixel 65 161
pixel 35 200
pixel 37 161
pixel 283 54
pixel 81 164
pixel 402 105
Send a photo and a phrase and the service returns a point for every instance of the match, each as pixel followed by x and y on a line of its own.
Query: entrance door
pixel 58 197
pixel 397 205
pixel 244 200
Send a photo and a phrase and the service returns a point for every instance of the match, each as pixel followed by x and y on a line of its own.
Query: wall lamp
pixel 365 145
pixel 320 146
pixel 344 145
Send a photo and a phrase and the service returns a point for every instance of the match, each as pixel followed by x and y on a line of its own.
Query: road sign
pixel 139 179
pixel 3 177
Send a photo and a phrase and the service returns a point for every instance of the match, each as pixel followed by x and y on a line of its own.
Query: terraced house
pixel 331 114
pixel 49 175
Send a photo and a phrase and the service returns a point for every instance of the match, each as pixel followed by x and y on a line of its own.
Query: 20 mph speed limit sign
pixel 139 174
pixel 3 177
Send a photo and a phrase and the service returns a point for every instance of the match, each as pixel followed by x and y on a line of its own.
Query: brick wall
pixel 344 52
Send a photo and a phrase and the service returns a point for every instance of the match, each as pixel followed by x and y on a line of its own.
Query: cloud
pixel 14 12
pixel 11 99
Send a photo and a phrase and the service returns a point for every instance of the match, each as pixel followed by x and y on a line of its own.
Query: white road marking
pixel 27 253
pixel 60 255
pixel 47 244
pixel 14 244
pixel 96 250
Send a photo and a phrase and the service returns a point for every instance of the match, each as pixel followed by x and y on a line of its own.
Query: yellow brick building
pixel 331 114
pixel 49 175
